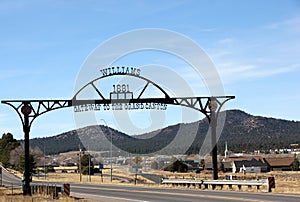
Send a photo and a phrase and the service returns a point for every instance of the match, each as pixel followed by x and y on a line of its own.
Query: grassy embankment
pixel 7 195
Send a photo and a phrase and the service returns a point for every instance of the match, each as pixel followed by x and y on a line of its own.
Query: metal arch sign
pixel 121 97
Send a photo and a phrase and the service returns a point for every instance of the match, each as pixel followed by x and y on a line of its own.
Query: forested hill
pixel 246 132
pixel 242 131
pixel 90 137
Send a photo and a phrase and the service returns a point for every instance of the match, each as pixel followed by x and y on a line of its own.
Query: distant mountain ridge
pixel 241 131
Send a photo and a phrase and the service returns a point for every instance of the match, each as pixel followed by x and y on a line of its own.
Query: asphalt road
pixel 152 177
pixel 117 193
pixel 9 179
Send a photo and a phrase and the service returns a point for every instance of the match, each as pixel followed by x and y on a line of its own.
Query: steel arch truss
pixel 29 110
pixel 39 107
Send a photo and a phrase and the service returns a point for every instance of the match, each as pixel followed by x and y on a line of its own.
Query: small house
pixel 251 166
pixel 280 164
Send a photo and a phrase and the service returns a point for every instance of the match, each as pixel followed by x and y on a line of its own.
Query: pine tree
pixel 7 144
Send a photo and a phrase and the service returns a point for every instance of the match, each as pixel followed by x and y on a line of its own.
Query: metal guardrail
pixel 46 190
pixel 270 183
pixel 51 189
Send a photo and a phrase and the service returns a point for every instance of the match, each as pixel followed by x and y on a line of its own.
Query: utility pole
pixel 135 176
pixel 44 162
pixel 80 176
pixel 110 156
pixel 89 164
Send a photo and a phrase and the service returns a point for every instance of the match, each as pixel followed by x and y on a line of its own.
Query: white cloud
pixel 5 117
pixel 292 24
pixel 2 117
pixel 226 41
pixel 219 53
pixel 234 70
pixel 270 72
pixel 252 71
pixel 260 53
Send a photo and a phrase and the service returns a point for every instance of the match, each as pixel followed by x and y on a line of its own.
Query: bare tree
pixel 38 155
pixel 18 153
pixel 15 156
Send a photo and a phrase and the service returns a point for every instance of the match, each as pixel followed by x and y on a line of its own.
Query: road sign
pixel 137 166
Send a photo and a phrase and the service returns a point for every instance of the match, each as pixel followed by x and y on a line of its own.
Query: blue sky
pixel 253 44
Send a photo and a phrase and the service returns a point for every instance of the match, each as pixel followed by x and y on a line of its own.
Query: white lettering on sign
pixel 120 106
pixel 120 70
pixel 87 107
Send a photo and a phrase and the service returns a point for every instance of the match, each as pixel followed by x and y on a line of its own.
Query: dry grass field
pixel 6 195
pixel 75 177
pixel 286 181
